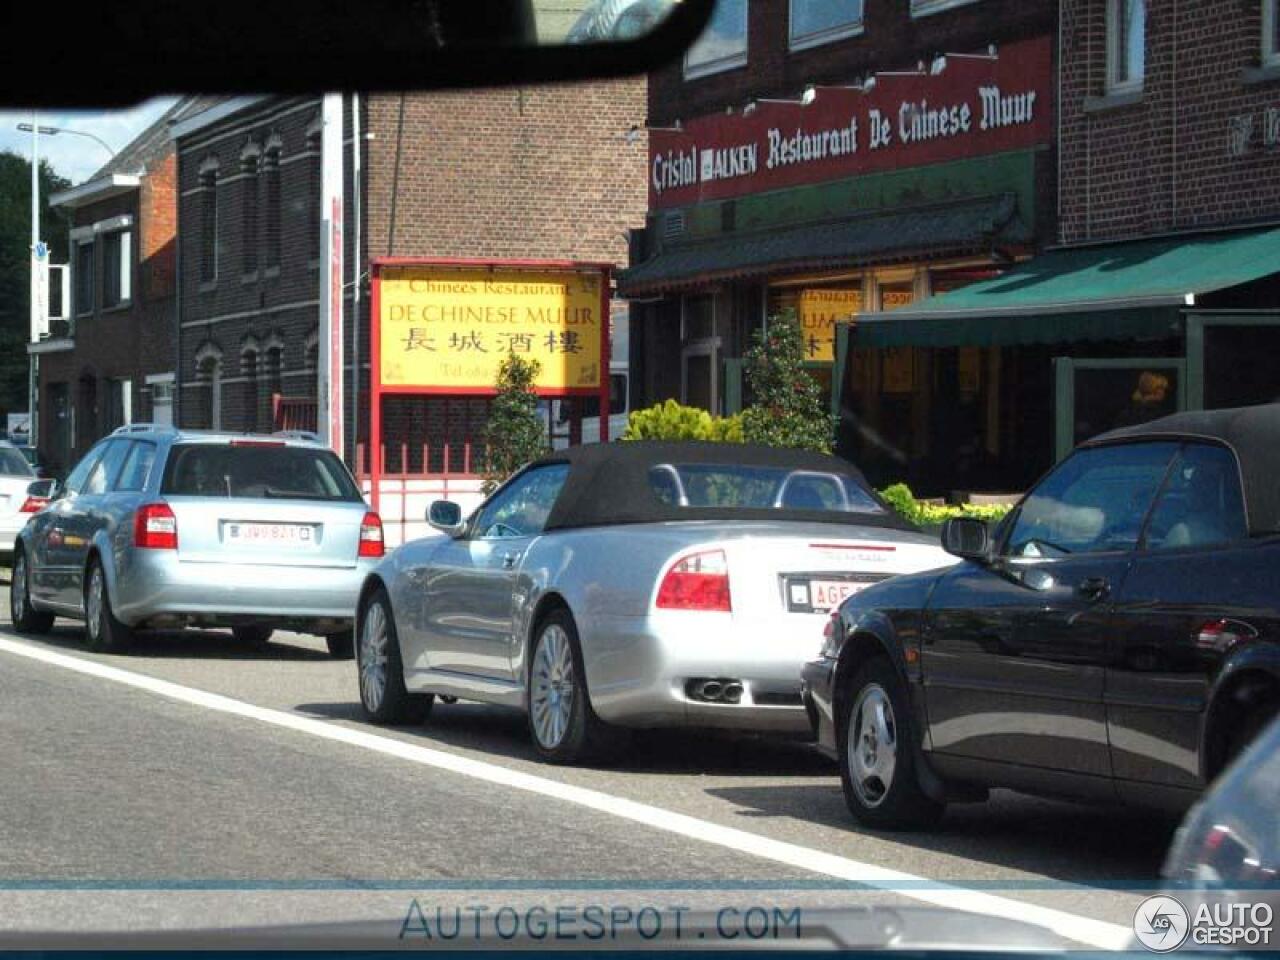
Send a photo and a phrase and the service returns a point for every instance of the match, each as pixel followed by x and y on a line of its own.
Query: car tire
pixel 103 632
pixel 562 724
pixel 878 753
pixel 26 619
pixel 380 670
pixel 342 646
pixel 252 636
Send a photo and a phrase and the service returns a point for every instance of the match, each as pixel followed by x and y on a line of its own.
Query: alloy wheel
pixel 18 588
pixel 93 604
pixel 373 657
pixel 552 687
pixel 873 745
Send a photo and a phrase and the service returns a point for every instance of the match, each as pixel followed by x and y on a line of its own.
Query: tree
pixel 515 433
pixel 15 265
pixel 787 408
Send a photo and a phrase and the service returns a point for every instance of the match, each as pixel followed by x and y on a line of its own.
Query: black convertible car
pixel 1117 637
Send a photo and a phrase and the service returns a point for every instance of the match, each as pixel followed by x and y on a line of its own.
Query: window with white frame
pixel 813 22
pixel 1126 45
pixel 723 44
pixel 921 8
pixel 117 268
pixel 1271 33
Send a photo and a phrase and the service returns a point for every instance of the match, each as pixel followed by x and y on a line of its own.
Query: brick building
pixel 531 172
pixel 1163 292
pixel 840 160
pixel 113 361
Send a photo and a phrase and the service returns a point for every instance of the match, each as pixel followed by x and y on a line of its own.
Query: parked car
pixel 1116 638
pixel 1228 846
pixel 21 495
pixel 630 585
pixel 163 528
pixel 32 456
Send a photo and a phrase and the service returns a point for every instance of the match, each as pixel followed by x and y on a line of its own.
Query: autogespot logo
pixel 1161 924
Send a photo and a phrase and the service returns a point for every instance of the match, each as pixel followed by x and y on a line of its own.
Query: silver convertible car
pixel 630 585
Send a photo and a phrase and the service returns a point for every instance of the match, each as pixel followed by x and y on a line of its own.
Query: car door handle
pixel 1093 588
pixel 509 559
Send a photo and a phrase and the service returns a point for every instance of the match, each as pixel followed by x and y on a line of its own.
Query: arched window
pixel 271 203
pixel 249 157
pixel 249 370
pixel 209 220
pixel 209 391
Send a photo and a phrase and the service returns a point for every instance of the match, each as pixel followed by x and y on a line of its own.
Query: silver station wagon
pixel 631 585
pixel 163 528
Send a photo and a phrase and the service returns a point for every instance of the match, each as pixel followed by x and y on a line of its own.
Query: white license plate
pixel 287 534
pixel 819 596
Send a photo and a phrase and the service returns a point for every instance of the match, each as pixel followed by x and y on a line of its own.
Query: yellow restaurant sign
pixel 820 311
pixel 446 329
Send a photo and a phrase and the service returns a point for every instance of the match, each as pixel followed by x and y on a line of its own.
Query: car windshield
pixel 256 471
pixel 731 486
pixel 14 464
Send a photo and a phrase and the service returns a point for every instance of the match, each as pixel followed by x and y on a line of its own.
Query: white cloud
pixel 76 158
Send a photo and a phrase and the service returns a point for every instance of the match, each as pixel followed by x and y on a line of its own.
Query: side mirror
pixel 446 516
pixel 966 537
pixel 44 489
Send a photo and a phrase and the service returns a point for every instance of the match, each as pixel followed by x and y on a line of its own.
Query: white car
pixel 18 501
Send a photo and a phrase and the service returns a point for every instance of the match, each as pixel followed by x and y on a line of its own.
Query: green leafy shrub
pixel 672 421
pixel 788 408
pixel 900 497
pixel 515 434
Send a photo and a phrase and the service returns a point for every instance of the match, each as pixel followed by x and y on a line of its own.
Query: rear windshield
pixel 760 488
pixel 257 472
pixel 14 464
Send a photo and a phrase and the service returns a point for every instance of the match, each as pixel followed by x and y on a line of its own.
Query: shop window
pixel 1271 33
pixel 84 278
pixel 117 268
pixel 815 22
pixel 698 318
pixel 1126 45
pixel 922 8
pixel 723 45
pixel 209 226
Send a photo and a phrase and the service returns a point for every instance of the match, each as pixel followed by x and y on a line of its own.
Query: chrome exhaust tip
pixel 711 690
pixel 732 692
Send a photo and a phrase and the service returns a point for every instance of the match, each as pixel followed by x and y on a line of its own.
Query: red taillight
pixel 698 581
pixel 155 527
pixel 371 536
pixel 33 504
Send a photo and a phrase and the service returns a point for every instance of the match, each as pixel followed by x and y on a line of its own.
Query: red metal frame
pixel 377 389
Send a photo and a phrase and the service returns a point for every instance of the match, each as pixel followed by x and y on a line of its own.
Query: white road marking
pixel 1095 933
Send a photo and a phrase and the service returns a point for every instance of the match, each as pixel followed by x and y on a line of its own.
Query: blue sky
pixel 76 158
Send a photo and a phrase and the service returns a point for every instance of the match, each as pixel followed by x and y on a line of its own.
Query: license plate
pixel 286 534
pixel 816 595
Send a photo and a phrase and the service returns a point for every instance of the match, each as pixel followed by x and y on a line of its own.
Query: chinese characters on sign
pixel 450 327
pixel 820 311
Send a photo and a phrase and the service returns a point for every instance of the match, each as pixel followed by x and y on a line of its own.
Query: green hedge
pixel 923 514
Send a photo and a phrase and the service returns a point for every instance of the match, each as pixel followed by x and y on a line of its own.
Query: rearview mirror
pixel 966 537
pixel 46 489
pixel 446 516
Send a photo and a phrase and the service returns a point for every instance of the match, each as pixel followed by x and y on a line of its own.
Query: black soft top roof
pixel 608 483
pixel 1251 433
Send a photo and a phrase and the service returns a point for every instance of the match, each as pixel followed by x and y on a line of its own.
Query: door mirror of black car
pixel 44 489
pixel 966 537
pixel 446 516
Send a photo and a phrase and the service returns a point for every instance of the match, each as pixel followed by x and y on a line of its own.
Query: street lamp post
pixel 33 366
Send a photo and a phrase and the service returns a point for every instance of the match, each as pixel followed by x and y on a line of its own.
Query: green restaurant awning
pixel 1106 292
pixel 957 227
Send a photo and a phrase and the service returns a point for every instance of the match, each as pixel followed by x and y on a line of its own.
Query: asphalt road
pixel 114 783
